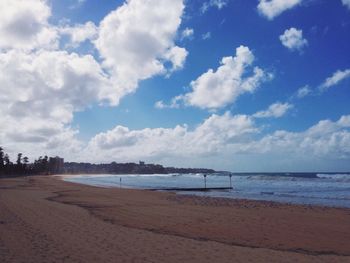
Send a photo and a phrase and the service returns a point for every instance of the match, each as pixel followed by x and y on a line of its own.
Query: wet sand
pixel 44 219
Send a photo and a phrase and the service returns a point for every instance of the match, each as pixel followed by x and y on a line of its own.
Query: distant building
pixel 141 163
pixel 56 165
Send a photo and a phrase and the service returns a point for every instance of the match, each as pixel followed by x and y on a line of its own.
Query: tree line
pixel 42 165
pixel 56 165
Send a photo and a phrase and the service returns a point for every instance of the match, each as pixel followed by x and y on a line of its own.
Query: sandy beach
pixel 44 219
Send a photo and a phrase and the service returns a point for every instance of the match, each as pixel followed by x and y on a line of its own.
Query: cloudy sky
pixel 258 85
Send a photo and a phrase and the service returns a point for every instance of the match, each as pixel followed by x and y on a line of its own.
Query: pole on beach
pixel 230 181
pixel 205 181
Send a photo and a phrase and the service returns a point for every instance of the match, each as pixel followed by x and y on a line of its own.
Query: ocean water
pixel 313 189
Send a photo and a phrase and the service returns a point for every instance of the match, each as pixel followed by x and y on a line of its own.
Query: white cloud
pixel 177 56
pixel 24 25
pixel 303 91
pixel 216 89
pixel 81 32
pixel 187 33
pixel 273 8
pixel 275 110
pixel 326 139
pixel 206 36
pixel 50 77
pixel 136 40
pixel 333 80
pixel 160 105
pixel 346 3
pixel 226 137
pixel 41 91
pixel 42 86
pixel 208 138
pixel 174 104
pixel 33 136
pixel 219 4
pixel 292 39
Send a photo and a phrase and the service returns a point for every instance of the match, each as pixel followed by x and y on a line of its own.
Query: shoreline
pixel 192 192
pixel 211 228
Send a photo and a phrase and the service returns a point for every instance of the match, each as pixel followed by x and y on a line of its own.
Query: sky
pixel 245 86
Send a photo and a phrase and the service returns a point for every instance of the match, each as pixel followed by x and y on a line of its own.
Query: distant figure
pixel 120 182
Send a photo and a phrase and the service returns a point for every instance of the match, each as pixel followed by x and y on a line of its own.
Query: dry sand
pixel 44 219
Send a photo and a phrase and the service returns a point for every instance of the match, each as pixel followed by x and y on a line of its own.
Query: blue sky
pixel 225 84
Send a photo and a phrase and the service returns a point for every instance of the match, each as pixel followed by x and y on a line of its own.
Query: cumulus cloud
pixel 177 56
pixel 80 33
pixel 47 78
pixel 272 8
pixel 346 3
pixel 208 138
pixel 227 137
pixel 24 25
pixel 43 86
pixel 40 86
pixel 336 78
pixel 41 91
pixel 275 110
pixel 160 105
pixel 219 4
pixel 216 89
pixel 325 139
pixel 32 136
pixel 292 39
pixel 137 40
pixel 174 103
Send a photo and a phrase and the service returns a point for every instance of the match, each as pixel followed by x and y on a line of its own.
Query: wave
pixel 345 177
pixel 341 177
pixel 322 177
pixel 282 176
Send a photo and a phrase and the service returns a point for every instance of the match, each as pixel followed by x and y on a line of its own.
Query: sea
pixel 324 189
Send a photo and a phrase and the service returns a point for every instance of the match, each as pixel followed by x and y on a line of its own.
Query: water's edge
pixel 331 190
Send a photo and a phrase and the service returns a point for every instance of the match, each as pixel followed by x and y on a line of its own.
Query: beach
pixel 45 219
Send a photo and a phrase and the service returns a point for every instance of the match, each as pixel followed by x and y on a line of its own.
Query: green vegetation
pixel 56 165
pixel 43 165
